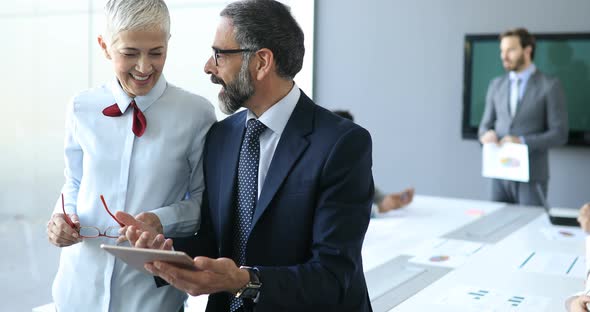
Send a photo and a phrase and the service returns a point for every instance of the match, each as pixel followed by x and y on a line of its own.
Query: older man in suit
pixel 524 106
pixel 288 183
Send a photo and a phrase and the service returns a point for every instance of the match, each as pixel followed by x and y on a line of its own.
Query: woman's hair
pixel 122 15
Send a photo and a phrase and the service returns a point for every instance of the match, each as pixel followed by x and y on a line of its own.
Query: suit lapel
pixel 290 147
pixel 531 85
pixel 227 190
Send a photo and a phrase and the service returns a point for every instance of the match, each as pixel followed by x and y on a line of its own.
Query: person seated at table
pixel 384 202
pixel 577 303
pixel 392 201
pixel 584 217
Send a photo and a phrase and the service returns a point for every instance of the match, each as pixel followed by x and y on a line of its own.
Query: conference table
pixel 445 254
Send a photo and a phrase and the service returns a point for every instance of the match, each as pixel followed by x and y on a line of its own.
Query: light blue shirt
pixel 275 119
pixel 524 79
pixel 151 173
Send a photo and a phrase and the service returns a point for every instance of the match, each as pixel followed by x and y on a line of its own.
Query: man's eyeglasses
pixel 92 231
pixel 217 52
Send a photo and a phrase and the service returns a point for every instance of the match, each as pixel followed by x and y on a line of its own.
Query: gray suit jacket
pixel 541 118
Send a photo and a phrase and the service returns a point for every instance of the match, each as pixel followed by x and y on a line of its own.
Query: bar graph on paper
pixel 471 298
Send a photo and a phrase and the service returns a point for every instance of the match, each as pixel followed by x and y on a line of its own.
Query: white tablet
pixel 137 257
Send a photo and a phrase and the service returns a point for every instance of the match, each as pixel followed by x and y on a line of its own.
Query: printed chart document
pixel 381 240
pixel 474 298
pixel 509 161
pixel 563 233
pixel 553 263
pixel 444 252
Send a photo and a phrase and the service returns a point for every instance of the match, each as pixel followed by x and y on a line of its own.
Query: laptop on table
pixel 558 216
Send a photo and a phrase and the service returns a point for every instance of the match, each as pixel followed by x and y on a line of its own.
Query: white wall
pixel 49 53
pixel 398 66
pixel 38 41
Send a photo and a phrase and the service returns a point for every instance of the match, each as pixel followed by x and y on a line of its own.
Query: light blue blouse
pixel 159 172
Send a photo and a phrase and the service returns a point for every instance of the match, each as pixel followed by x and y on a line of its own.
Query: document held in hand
pixel 508 161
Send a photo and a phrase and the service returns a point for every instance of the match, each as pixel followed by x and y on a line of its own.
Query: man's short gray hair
pixel 122 15
pixel 268 24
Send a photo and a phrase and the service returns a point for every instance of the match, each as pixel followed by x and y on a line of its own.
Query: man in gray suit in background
pixel 524 106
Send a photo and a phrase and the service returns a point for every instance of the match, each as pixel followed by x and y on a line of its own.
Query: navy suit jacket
pixel 311 217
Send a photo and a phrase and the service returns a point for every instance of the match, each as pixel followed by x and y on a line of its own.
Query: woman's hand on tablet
pixel 145 222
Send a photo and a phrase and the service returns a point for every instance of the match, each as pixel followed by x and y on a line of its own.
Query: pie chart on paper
pixel 441 258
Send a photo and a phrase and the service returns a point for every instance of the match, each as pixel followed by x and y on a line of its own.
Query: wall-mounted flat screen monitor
pixel 566 56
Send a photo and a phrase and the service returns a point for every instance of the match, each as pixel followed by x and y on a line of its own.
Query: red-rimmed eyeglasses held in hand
pixel 92 231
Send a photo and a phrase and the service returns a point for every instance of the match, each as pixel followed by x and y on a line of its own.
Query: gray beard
pixel 237 92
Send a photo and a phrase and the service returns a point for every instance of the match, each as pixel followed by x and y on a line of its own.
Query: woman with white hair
pixel 134 145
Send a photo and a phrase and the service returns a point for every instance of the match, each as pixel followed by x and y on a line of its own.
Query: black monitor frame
pixel 577 138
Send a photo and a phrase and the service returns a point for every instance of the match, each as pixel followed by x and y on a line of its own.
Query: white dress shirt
pixel 159 172
pixel 275 119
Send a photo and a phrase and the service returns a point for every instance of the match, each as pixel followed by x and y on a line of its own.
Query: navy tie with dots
pixel 247 194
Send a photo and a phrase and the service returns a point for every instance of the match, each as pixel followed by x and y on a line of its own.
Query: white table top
pixel 391 234
pixel 509 282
